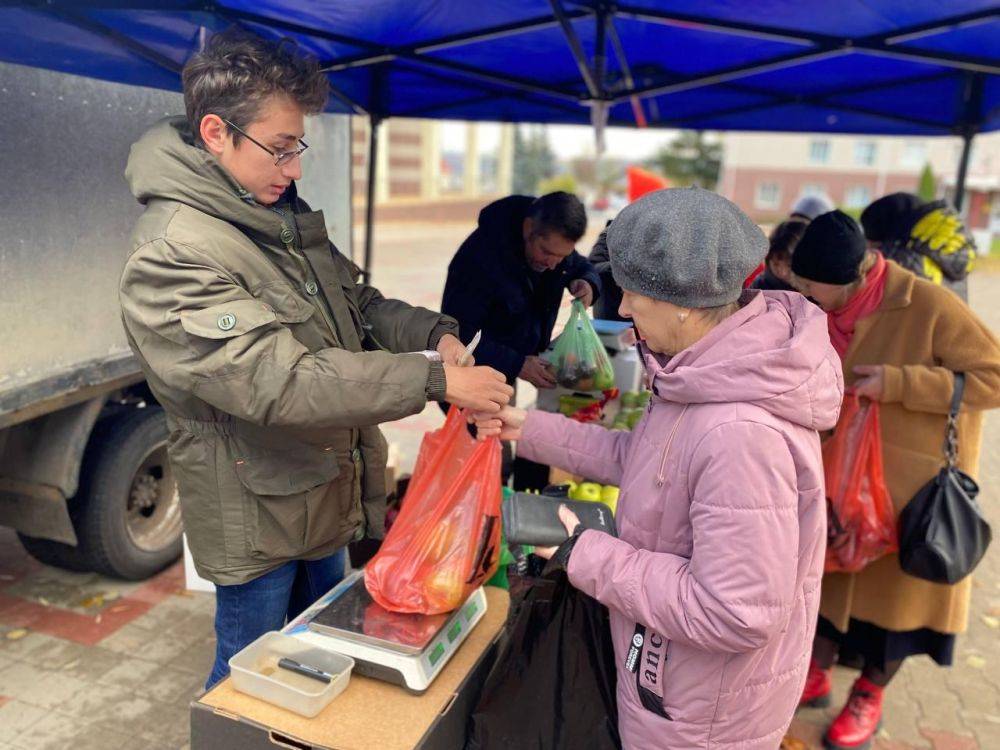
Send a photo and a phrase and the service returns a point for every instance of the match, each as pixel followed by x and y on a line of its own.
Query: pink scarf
pixel 842 322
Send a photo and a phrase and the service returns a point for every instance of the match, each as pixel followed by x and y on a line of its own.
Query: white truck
pixel 84 475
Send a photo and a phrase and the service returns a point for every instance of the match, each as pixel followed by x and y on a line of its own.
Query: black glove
pixel 560 558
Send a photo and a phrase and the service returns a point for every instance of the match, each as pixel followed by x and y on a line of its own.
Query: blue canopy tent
pixel 893 67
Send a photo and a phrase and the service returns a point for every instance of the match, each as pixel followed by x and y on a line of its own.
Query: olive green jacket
pixel 273 364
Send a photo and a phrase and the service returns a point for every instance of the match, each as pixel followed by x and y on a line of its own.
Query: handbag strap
pixel 951 434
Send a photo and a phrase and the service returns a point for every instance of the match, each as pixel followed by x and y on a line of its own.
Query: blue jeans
pixel 245 611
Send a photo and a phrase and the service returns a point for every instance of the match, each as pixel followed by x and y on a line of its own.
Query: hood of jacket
pixel 165 164
pixel 501 222
pixel 774 353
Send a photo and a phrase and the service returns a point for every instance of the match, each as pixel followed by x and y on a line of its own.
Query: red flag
pixel 642 181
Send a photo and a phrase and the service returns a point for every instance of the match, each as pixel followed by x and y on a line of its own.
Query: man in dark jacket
pixel 507 280
pixel 611 293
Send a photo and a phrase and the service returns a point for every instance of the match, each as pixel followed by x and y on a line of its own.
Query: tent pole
pixel 972 104
pixel 374 121
pixel 963 169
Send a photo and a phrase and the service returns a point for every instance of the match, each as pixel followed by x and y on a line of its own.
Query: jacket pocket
pixel 294 500
pixel 287 306
pixel 227 320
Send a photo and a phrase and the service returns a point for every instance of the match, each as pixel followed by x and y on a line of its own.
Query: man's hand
pixel 537 372
pixel 871 382
pixel 451 350
pixel 582 291
pixel 505 424
pixel 481 389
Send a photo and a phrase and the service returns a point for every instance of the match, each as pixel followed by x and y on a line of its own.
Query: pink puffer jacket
pixel 722 523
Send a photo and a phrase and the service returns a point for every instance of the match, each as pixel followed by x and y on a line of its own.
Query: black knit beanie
pixel 890 217
pixel 831 250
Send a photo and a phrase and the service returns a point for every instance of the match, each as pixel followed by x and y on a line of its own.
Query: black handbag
pixel 942 533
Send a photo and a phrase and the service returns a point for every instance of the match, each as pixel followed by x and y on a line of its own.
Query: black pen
pixel 304 669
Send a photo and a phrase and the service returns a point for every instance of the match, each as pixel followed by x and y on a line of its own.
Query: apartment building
pixel 420 177
pixel 765 173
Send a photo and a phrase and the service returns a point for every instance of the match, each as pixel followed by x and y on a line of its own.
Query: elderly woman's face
pixel 666 328
pixel 830 297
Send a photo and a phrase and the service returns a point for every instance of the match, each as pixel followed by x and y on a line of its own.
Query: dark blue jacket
pixel 490 287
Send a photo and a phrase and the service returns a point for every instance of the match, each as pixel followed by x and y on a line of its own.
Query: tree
pixel 564 182
pixel 928 184
pixel 600 176
pixel 690 159
pixel 534 159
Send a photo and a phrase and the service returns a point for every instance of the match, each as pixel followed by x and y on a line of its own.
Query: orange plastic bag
pixel 446 540
pixel 861 520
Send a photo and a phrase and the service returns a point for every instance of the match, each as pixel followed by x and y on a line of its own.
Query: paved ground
pixel 88 662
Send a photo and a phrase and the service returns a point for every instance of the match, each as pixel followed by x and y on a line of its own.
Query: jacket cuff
pixel 436 382
pixel 579 566
pixel 446 326
pixel 892 384
pixel 518 365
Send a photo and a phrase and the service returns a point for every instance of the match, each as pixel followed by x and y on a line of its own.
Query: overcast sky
pixel 567 141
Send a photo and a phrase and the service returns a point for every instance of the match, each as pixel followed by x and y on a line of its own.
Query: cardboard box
pixel 369 715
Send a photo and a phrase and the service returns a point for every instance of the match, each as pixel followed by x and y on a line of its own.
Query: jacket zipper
pixel 287 220
pixel 660 478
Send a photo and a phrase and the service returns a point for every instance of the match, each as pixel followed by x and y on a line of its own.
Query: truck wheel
pixel 53 553
pixel 130 524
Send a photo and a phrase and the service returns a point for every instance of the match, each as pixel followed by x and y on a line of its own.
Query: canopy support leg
pixel 963 169
pixel 972 117
pixel 375 121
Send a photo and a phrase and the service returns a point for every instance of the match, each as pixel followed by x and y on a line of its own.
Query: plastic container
pixel 255 671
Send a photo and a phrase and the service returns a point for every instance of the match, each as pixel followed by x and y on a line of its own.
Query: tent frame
pixel 593 89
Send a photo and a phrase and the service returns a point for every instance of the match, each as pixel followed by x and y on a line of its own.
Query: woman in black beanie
pixel 901 339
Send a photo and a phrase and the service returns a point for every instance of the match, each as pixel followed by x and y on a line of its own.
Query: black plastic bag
pixel 553 684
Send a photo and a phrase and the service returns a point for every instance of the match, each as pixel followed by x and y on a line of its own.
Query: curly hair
pixel 237 72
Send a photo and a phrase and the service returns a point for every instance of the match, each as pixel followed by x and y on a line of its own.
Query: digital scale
pixel 409 650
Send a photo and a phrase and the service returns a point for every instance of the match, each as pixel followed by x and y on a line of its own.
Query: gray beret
pixel 688 246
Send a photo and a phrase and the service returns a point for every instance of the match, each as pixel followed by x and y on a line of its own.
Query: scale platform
pixel 405 649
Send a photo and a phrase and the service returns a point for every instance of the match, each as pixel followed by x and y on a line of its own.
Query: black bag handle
pixel 951 434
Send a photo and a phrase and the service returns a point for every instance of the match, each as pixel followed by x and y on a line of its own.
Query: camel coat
pixel 921 334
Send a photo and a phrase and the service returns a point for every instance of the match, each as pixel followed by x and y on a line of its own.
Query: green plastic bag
pixel 499 579
pixel 581 361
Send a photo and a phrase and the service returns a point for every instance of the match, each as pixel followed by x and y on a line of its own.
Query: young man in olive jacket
pixel 274 365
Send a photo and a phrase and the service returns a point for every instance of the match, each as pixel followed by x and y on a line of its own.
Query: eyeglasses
pixel 280 157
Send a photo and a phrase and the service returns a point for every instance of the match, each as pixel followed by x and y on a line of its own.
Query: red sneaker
pixel 817 690
pixel 855 727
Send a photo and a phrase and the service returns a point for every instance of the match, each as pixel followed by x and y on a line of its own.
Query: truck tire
pixel 56 554
pixel 129 525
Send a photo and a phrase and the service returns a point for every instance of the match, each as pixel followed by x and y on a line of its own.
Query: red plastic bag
pixel 861 520
pixel 446 540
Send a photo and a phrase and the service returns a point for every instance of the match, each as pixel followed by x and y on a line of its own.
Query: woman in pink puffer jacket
pixel 713 583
